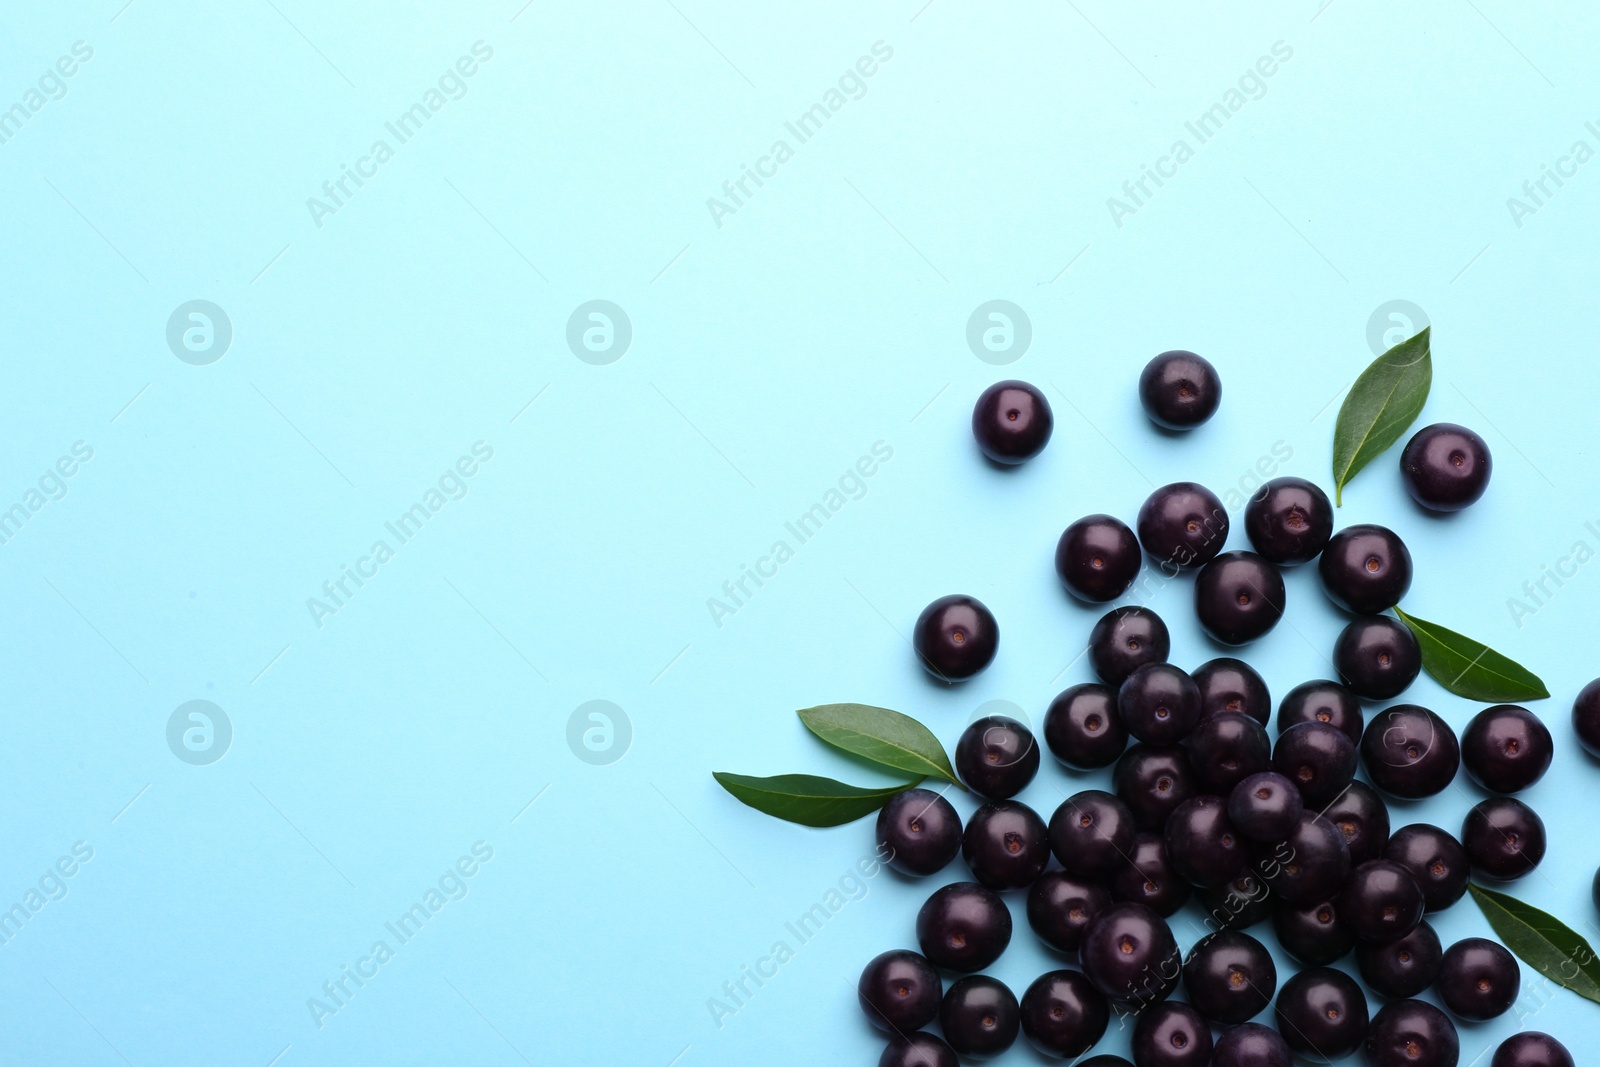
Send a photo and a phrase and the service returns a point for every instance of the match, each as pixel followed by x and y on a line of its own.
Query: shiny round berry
pixel 1063 1014
pixel 1091 833
pixel 1182 525
pixel 1410 752
pixel 1377 657
pixel 1229 977
pixel 979 1016
pixel 917 1049
pixel 1435 859
pixel 996 756
pixel 1289 521
pixel 1506 748
pixel 919 831
pixel 1104 1060
pixel 963 927
pixel 1012 422
pixel 1251 1045
pixel 1126 638
pixel 899 991
pixel 1363 818
pixel 1149 878
pixel 1238 597
pixel 1097 558
pixel 1179 390
pixel 1531 1049
pixel 1478 978
pixel 1239 903
pixel 1503 837
pixel 1586 718
pixel 1312 933
pixel 1171 1034
pixel 1130 955
pixel 1159 704
pixel 1445 467
pixel 1152 782
pixel 1265 807
pixel 1365 569
pixel 1402 968
pixel 1322 701
pixel 955 637
pixel 1082 728
pixel 1227 748
pixel 1316 862
pixel 1061 906
pixel 1381 902
pixel 1317 758
pixel 1005 845
pixel 1228 684
pixel 1412 1033
pixel 1202 842
pixel 1322 1014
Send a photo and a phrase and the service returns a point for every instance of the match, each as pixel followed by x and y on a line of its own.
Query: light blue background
pixel 768 354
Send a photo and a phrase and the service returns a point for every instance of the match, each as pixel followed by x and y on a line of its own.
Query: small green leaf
pixel 806 798
pixel 1383 402
pixel 1542 941
pixel 881 736
pixel 1470 668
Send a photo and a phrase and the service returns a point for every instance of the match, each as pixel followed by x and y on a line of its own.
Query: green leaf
pixel 1382 404
pixel 1542 941
pixel 881 736
pixel 806 798
pixel 1470 668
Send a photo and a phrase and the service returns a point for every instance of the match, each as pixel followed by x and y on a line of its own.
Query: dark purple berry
pixel 1410 752
pixel 1265 807
pixel 1061 906
pixel 996 756
pixel 1316 863
pixel 1322 1014
pixel 1124 639
pixel 1202 842
pixel 1251 1045
pixel 917 1049
pixel 1506 748
pixel 1531 1049
pixel 919 831
pixel 1478 978
pixel 1365 569
pixel 1227 748
pixel 1317 758
pixel 1381 902
pixel 1228 684
pixel 1152 782
pixel 1082 728
pixel 1586 718
pixel 1412 1033
pixel 963 927
pixel 1179 390
pixel 1091 833
pixel 1005 845
pixel 1182 525
pixel 899 991
pixel 1229 977
pixel 1097 558
pixel 1289 521
pixel 1171 1034
pixel 1149 878
pixel 1063 1014
pixel 1012 422
pixel 1445 467
pixel 1435 859
pixel 1402 968
pixel 1363 818
pixel 1377 657
pixel 1322 701
pixel 1503 837
pixel 1312 933
pixel 1239 903
pixel 1104 1060
pixel 1238 597
pixel 979 1016
pixel 955 637
pixel 1159 704
pixel 1130 955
